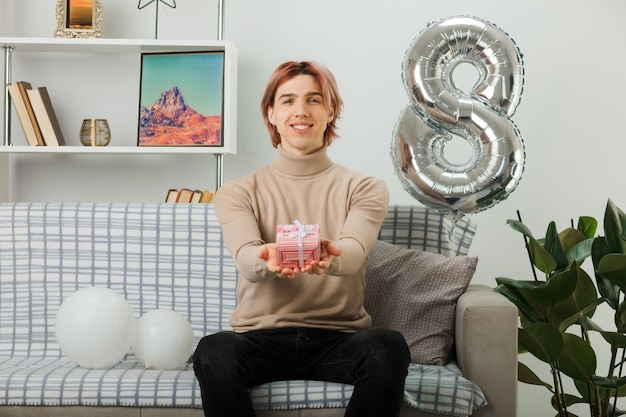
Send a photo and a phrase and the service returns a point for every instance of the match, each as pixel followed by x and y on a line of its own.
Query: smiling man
pixel 308 322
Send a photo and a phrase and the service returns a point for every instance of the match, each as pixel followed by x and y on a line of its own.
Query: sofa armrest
pixel 486 347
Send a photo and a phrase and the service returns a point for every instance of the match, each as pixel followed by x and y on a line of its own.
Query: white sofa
pixel 172 256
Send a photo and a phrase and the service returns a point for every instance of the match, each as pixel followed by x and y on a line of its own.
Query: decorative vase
pixel 95 132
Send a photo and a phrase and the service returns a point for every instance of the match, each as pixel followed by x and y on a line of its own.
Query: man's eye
pixel 314 100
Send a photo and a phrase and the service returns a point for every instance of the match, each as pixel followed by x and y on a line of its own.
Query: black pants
pixel 374 360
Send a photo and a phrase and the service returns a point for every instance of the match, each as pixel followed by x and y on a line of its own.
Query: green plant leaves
pixel 610 383
pixel 613 267
pixel 569 401
pixel 558 301
pixel 519 227
pixel 582 300
pixel 580 251
pixel 558 250
pixel 614 221
pixel 615 339
pixel 542 340
pixel 557 289
pixel 514 290
pixel 608 290
pixel 587 226
pixel 574 356
pixel 569 296
pixel 525 375
pixel 577 360
pixel 554 247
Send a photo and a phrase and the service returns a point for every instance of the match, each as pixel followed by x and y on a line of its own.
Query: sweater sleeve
pixel 241 232
pixel 367 207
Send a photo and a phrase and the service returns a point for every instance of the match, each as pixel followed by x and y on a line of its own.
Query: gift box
pixel 297 245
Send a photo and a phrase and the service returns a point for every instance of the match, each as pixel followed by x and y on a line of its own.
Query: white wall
pixel 570 115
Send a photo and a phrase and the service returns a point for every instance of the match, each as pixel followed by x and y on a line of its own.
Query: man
pixel 304 322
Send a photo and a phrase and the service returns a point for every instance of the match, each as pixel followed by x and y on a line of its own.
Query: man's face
pixel 300 115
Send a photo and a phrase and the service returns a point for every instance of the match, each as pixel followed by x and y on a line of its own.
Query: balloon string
pixel 454 217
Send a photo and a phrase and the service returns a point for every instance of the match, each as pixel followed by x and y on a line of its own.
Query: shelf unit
pixel 116 47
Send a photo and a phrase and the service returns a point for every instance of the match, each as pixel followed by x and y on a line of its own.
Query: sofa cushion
pixel 58 382
pixel 423 228
pixel 415 292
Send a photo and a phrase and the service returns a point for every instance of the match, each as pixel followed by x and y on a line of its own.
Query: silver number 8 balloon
pixel 439 110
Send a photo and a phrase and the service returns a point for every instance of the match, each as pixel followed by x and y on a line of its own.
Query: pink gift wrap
pixel 297 245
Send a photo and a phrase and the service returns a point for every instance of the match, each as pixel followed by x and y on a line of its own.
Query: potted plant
pixel 556 311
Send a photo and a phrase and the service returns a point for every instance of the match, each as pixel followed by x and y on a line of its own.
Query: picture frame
pixel 79 19
pixel 181 99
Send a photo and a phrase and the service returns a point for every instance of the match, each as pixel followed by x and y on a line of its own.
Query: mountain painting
pixel 181 99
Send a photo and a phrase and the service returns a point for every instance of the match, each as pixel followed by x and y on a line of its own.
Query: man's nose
pixel 302 108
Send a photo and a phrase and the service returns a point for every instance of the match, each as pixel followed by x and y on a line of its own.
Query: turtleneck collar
pixel 301 165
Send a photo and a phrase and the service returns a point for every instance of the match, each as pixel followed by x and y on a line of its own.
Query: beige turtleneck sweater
pixel 348 206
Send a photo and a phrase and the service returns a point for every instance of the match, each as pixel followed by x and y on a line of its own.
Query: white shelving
pixel 163 150
pixel 111 49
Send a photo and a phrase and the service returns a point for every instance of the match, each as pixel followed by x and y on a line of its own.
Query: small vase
pixel 95 132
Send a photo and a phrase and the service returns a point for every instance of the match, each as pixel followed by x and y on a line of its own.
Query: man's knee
pixel 216 349
pixel 381 336
pixel 386 345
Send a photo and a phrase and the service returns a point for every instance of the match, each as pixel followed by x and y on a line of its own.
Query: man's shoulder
pixel 358 176
pixel 248 178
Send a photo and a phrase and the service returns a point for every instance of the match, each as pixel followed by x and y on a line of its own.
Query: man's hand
pixel 328 249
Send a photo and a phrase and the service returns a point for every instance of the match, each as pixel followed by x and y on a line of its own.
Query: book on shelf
pixel 25 113
pixel 186 195
pixel 206 196
pixel 195 198
pixel 46 117
pixel 172 195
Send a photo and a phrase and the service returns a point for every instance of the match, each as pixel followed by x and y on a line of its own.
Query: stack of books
pixel 36 114
pixel 186 195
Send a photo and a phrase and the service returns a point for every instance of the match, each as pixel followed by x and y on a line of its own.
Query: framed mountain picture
pixel 181 99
